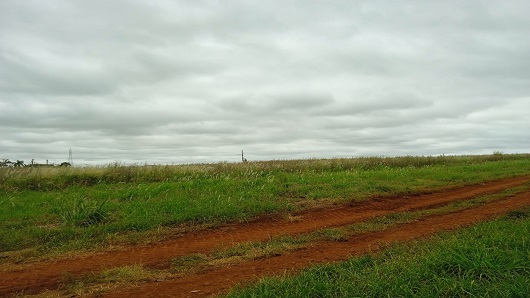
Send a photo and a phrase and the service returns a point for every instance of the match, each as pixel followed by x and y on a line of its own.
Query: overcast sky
pixel 199 81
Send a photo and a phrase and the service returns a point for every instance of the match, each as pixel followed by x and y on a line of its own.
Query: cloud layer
pixel 198 81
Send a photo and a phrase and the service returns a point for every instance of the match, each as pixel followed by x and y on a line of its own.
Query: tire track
pixel 37 277
pixel 222 279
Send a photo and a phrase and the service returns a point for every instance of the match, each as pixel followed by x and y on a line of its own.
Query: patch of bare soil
pixel 38 277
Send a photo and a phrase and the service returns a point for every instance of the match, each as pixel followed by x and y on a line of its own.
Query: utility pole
pixel 70 157
pixel 243 159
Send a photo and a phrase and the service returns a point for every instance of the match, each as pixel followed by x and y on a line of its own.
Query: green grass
pixel 62 209
pixel 50 178
pixel 491 259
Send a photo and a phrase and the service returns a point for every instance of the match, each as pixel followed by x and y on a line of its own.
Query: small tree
pixel 5 163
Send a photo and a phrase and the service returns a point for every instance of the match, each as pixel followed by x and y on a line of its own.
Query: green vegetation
pixel 53 178
pixel 488 260
pixel 60 209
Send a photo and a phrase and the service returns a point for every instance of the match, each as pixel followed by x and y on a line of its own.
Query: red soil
pixel 37 277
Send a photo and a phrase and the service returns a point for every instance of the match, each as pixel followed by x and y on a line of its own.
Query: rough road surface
pixel 37 277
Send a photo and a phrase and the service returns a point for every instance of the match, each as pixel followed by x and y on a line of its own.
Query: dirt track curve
pixel 38 277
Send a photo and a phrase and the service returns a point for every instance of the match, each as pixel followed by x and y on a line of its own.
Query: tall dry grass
pixel 53 178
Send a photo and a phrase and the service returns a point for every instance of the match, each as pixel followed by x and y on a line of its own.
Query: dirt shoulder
pixel 37 277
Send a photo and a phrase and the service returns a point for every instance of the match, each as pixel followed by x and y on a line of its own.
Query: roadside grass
pixel 47 211
pixel 490 259
pixel 53 178
pixel 107 280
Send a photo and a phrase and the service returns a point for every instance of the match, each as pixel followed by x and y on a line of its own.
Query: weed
pixel 81 212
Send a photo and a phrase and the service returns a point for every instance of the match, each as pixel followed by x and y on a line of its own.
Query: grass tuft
pixel 81 212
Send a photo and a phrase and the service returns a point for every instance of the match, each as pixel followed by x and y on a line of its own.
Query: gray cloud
pixel 197 81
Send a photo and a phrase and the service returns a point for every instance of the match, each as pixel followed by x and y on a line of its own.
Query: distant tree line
pixel 20 163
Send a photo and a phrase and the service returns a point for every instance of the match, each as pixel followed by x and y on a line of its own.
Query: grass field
pixel 491 259
pixel 54 210
pixel 85 216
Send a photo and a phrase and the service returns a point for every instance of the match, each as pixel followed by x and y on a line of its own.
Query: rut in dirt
pixel 220 280
pixel 37 277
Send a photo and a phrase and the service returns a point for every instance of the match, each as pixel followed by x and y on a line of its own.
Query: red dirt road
pixel 38 277
pixel 222 279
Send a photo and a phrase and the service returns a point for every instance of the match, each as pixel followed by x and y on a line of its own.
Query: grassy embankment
pixel 51 209
pixel 488 260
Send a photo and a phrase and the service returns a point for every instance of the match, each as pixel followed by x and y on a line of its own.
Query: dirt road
pixel 37 277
